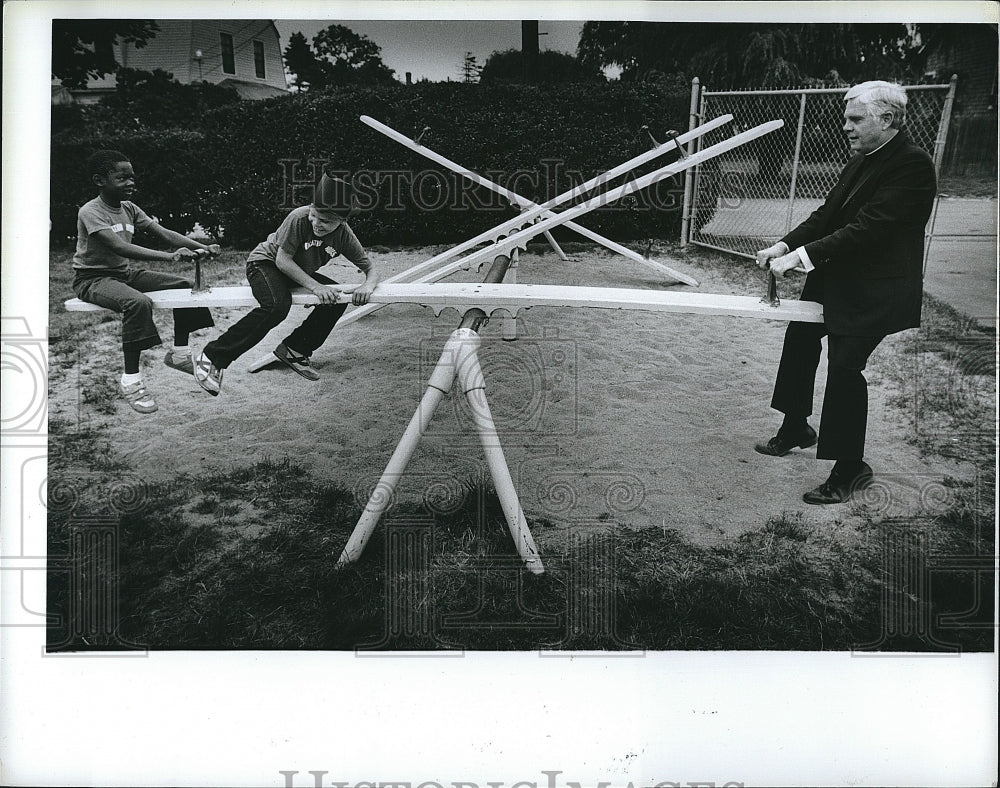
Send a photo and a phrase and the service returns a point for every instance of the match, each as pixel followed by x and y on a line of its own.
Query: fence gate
pixel 748 198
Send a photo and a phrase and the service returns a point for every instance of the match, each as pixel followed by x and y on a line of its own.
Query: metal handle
pixel 199 286
pixel 672 134
pixel 772 290
pixel 646 129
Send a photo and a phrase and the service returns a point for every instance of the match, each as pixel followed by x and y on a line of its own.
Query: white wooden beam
pixel 425 271
pixel 509 298
pixel 543 209
pixel 520 238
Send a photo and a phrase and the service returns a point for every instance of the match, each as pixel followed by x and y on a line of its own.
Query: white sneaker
pixel 137 396
pixel 209 376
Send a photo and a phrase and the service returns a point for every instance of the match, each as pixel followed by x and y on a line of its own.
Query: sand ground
pixel 605 416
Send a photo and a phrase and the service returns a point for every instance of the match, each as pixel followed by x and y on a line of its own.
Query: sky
pixel 435 50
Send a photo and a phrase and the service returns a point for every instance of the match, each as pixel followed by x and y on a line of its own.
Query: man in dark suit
pixel 863 253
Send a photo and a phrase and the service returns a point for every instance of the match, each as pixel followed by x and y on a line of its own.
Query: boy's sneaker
pixel 179 361
pixel 297 362
pixel 208 375
pixel 137 396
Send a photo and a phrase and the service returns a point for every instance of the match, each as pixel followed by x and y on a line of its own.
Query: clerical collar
pixel 873 152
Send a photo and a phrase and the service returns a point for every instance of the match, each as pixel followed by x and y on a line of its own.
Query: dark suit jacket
pixel 867 241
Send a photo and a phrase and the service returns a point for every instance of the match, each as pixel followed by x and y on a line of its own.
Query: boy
pixel 308 238
pixel 103 276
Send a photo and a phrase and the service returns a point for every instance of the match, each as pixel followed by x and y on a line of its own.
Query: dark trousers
pixel 844 420
pixel 273 291
pixel 124 291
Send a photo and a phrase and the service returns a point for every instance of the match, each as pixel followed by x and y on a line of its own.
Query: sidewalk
pixel 962 264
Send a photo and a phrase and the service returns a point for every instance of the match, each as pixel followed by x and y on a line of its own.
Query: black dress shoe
pixel 838 489
pixel 780 444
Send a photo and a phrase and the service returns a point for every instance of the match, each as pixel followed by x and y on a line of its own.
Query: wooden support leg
pixel 508 328
pixel 555 246
pixel 470 376
pixel 438 385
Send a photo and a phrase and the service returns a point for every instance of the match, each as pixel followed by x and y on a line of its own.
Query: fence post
pixel 795 163
pixel 939 144
pixel 942 133
pixel 689 173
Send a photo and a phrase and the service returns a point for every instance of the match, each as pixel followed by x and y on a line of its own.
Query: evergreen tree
pixel 301 62
pixel 470 68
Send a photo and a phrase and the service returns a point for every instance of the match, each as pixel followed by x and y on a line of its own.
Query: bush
pixel 170 178
pixel 249 163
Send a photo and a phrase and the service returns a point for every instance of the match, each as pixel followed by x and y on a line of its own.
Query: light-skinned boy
pixel 309 238
pixel 103 274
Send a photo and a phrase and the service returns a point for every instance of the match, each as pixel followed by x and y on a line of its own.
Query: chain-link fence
pixel 748 198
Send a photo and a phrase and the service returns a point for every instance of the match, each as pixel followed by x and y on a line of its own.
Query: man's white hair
pixel 879 97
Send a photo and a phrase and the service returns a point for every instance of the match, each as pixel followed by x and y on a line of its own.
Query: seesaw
pixel 459 360
pixel 525 205
pixel 507 236
pixel 514 234
pixel 545 209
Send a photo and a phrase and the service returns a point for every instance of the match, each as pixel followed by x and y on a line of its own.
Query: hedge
pixel 246 164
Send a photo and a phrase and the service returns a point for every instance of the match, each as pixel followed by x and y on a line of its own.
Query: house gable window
pixel 258 59
pixel 228 55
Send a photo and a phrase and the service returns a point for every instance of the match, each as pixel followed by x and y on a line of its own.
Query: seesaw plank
pixel 511 297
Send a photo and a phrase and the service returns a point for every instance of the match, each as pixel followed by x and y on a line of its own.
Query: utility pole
pixel 529 50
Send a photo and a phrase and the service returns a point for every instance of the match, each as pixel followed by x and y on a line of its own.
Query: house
pixel 241 53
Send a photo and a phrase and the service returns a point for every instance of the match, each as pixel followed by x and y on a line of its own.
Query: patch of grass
pixel 433 580
pixel 968 186
pixel 101 394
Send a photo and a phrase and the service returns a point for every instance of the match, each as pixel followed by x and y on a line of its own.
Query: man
pixel 863 253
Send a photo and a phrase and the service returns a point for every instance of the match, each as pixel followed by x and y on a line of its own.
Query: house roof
pixel 252 90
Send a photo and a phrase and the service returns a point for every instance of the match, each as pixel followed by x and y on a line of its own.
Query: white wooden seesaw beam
pixel 525 204
pixel 509 298
pixel 519 239
pixel 425 270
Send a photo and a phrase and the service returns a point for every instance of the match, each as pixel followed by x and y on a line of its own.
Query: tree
pixel 750 55
pixel 470 68
pixel 83 49
pixel 301 62
pixel 553 67
pixel 338 56
pixel 347 58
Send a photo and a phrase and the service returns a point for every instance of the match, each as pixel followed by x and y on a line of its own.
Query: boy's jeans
pixel 272 289
pixel 123 292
